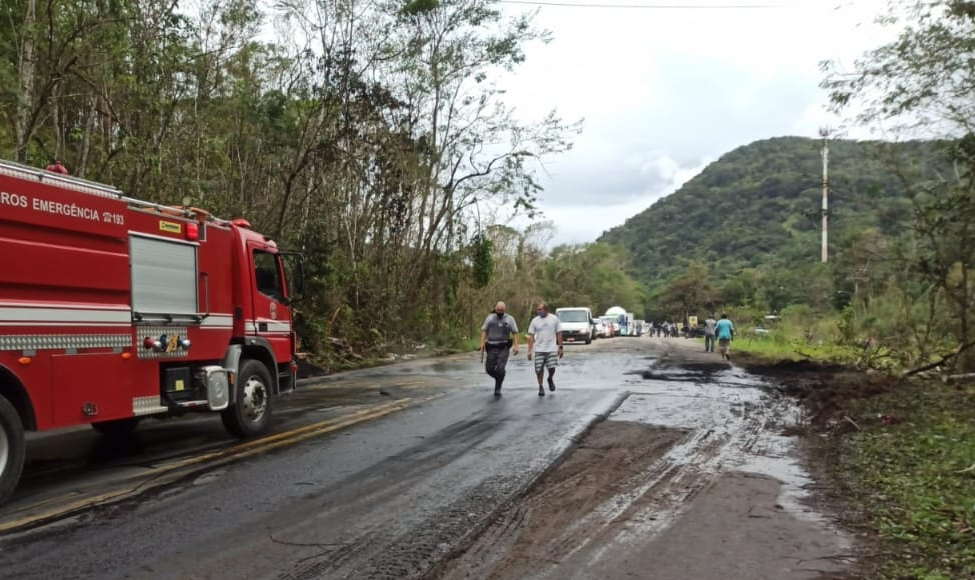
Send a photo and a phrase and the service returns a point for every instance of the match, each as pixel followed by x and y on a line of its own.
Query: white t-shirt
pixel 545 330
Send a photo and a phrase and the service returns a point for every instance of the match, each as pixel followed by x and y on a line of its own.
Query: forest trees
pixel 689 294
pixel 921 82
pixel 369 135
pixel 593 275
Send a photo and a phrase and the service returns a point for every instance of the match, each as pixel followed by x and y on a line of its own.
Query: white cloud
pixel 579 223
pixel 665 91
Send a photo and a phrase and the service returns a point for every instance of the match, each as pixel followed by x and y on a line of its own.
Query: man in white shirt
pixel 545 339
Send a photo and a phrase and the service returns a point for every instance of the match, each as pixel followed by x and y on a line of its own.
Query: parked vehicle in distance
pixel 577 324
pixel 601 329
pixel 629 324
pixel 612 326
pixel 636 325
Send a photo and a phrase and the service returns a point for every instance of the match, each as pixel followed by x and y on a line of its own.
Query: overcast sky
pixel 665 91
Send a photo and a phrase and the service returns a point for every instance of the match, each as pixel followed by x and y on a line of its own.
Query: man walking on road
pixel 709 328
pixel 726 332
pixel 545 338
pixel 498 333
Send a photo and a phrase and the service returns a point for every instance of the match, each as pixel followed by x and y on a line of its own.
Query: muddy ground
pixel 701 501
pixel 828 394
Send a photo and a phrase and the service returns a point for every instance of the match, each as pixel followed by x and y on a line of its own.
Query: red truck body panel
pixel 88 276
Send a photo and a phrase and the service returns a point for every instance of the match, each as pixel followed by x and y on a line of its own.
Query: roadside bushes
pixel 897 327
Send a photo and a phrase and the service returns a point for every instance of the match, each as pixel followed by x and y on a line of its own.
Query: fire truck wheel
pixel 11 448
pixel 251 411
pixel 117 428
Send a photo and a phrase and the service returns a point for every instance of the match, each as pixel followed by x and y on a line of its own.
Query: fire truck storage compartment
pixel 164 277
pixel 178 383
pixel 90 387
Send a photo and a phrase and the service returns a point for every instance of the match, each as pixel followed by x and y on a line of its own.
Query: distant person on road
pixel 499 333
pixel 726 332
pixel 710 325
pixel 545 339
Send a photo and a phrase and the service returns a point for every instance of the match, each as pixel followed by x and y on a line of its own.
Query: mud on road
pixel 691 478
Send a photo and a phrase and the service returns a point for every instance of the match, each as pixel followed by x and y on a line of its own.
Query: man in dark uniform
pixel 498 334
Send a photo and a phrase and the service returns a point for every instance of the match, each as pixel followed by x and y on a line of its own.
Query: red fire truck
pixel 114 309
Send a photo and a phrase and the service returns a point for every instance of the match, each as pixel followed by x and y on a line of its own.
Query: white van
pixel 576 323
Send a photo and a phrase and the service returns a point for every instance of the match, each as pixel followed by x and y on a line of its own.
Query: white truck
pixel 620 319
pixel 576 323
pixel 634 326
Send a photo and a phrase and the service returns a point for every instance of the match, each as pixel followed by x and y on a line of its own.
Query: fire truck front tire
pixel 250 412
pixel 11 448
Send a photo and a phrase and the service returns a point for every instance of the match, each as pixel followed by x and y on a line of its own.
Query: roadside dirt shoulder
pixel 691 478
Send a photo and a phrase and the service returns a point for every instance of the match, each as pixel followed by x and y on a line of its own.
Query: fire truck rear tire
pixel 117 428
pixel 250 412
pixel 11 448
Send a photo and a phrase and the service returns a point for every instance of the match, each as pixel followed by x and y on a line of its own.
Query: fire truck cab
pixel 114 309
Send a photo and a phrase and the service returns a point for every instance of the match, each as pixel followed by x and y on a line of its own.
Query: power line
pixel 643 6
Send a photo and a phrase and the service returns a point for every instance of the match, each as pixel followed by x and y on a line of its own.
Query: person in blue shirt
pixel 725 332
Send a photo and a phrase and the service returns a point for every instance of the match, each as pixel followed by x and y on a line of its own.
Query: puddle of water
pixel 734 427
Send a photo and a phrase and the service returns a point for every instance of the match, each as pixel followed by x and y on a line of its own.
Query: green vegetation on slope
pixel 759 206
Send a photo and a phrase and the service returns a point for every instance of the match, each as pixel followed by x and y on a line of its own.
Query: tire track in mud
pixel 547 525
pixel 696 464
pixel 641 480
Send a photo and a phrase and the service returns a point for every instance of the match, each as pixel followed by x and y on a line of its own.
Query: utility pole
pixel 824 133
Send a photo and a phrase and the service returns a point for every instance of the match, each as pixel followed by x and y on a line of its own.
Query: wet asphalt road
pixel 383 499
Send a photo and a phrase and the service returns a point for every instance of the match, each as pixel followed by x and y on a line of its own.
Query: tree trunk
pixel 25 92
pixel 56 118
pixel 91 126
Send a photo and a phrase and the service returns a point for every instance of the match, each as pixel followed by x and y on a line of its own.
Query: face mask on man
pixel 541 313
pixel 500 314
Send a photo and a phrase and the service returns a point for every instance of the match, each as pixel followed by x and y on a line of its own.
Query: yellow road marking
pixel 165 473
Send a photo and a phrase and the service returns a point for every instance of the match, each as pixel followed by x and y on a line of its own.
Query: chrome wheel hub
pixel 255 399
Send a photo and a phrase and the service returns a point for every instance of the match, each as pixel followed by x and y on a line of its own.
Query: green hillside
pixel 759 205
